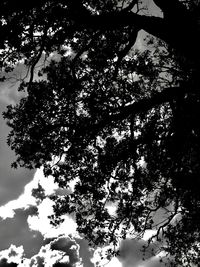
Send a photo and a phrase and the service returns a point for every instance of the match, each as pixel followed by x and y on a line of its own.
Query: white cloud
pixel 42 224
pixel 13 254
pixel 46 257
pixel 71 249
pixel 47 183
pixel 60 250
pixel 155 261
pixel 148 234
pixel 26 199
pixel 99 258
pixel 114 263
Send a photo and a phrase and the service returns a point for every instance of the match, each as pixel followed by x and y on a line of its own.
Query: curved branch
pixel 177 28
pixel 145 104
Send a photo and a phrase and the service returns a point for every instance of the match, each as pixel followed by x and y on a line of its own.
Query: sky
pixel 26 236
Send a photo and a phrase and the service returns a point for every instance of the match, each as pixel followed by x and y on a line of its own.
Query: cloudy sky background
pixel 26 236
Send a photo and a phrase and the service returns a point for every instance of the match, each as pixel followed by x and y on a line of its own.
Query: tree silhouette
pixel 120 120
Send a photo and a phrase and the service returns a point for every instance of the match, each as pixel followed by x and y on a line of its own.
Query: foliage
pixel 120 121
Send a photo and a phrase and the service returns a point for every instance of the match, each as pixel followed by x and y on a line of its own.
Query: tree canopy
pixel 118 117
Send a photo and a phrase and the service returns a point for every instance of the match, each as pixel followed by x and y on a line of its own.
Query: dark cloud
pixel 61 264
pixel 4 263
pixel 37 261
pixel 156 262
pixel 61 251
pixel 12 253
pixel 69 247
pixel 48 241
pixel 85 253
pixel 132 252
pixel 16 231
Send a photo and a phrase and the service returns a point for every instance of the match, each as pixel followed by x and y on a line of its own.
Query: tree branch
pixel 167 95
pixel 90 130
pixel 177 28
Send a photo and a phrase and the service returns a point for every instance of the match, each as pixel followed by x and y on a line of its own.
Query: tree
pixel 120 121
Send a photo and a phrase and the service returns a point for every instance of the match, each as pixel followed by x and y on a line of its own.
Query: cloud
pixel 99 258
pixel 26 199
pixel 70 247
pixel 131 252
pixel 59 264
pixel 85 252
pixel 4 263
pixel 156 261
pixel 25 221
pixel 37 261
pixel 17 232
pixel 114 262
pixel 41 222
pixel 22 202
pixel 12 255
pixel 133 255
pixel 62 251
